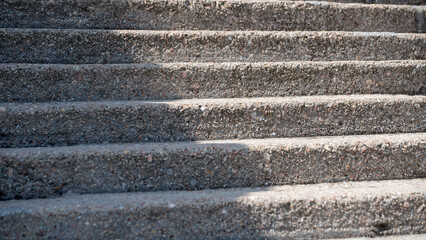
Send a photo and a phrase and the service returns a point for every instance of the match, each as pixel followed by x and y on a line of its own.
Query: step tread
pixel 137 167
pixel 348 209
pixel 214 15
pixel 369 2
pixel 71 123
pixel 140 46
pixel 397 237
pixel 346 191
pixel 162 81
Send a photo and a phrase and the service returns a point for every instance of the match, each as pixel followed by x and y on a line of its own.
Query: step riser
pixel 211 96
pixel 105 46
pixel 39 83
pixel 209 15
pixel 98 122
pixel 249 214
pixel 39 172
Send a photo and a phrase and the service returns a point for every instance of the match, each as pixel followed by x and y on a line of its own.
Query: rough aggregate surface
pixel 119 80
pixel 47 172
pixel 70 123
pixel 396 2
pixel 351 209
pixel 400 237
pixel 73 46
pixel 210 15
pixel 98 82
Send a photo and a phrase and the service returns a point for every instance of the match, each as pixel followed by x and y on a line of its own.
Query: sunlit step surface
pixel 53 171
pixel 350 209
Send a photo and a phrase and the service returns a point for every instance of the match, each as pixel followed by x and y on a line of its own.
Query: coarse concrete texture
pixel 400 2
pixel 137 46
pixel 270 15
pixel 166 81
pixel 398 237
pixel 396 2
pixel 350 209
pixel 53 171
pixel 70 123
pixel 108 107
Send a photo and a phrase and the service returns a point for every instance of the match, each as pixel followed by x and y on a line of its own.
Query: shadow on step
pixel 136 167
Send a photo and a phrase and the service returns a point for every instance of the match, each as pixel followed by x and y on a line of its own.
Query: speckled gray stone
pixel 69 123
pixel 352 209
pixel 52 82
pixel 400 2
pixel 247 49
pixel 396 2
pixel 208 15
pixel 400 237
pixel 47 172
pixel 136 46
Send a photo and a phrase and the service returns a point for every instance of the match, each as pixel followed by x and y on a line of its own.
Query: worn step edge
pixel 164 81
pixel 212 15
pixel 140 46
pixel 390 2
pixel 53 171
pixel 395 237
pixel 70 123
pixel 348 209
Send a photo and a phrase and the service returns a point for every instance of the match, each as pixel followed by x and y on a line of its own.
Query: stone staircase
pixel 212 119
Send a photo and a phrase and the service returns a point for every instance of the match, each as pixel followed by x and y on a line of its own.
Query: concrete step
pixel 164 81
pixel 53 171
pixel 395 237
pixel 70 123
pixel 394 2
pixel 398 2
pixel 136 46
pixel 222 15
pixel 352 209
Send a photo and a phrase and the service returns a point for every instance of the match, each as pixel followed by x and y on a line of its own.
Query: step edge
pixel 210 102
pixel 213 32
pixel 343 191
pixel 218 64
pixel 295 142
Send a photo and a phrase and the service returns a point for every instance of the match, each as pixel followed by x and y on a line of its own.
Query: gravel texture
pixel 47 172
pixel 116 94
pixel 44 124
pixel 137 46
pixel 396 2
pixel 400 237
pixel 352 209
pixel 225 15
pixel 52 82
